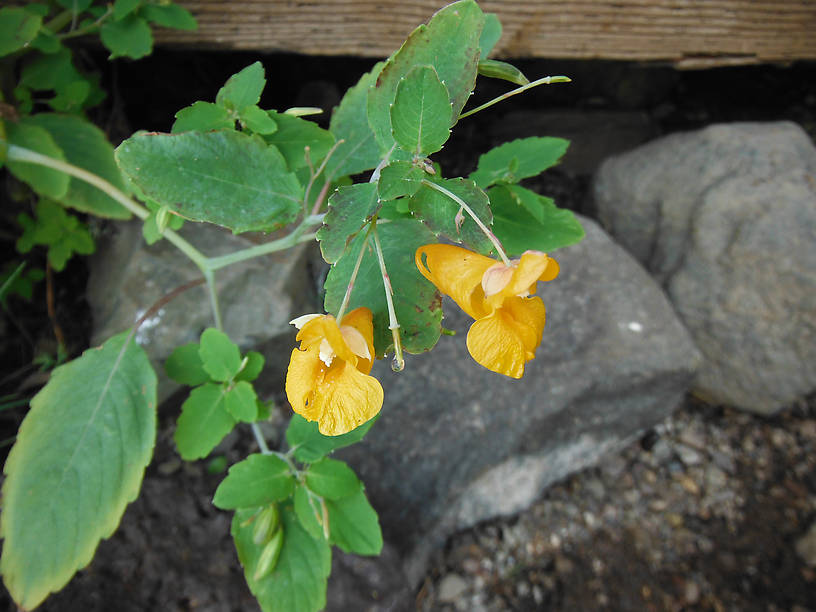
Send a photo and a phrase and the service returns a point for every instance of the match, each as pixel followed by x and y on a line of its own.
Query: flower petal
pixel 494 344
pixel 300 321
pixel 456 272
pixel 527 317
pixel 301 377
pixel 532 267
pixel 345 399
pixel 361 320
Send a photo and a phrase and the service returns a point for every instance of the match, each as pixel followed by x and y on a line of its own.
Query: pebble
pixel 806 546
pixel 674 504
pixel 450 588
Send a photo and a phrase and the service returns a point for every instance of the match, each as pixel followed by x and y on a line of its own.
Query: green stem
pixel 523 88
pixel 59 21
pixel 88 29
pixel 209 276
pixel 19 154
pixel 341 311
pixel 259 438
pixel 393 323
pixel 490 235
pixel 297 236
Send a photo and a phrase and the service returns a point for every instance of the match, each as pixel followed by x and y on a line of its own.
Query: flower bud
pixel 266 524
pixel 269 556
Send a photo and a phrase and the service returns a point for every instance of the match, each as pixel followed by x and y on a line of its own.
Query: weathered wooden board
pixel 688 33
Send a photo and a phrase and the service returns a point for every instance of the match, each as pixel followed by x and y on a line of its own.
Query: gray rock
pixel 457 444
pixel 257 297
pixel 725 219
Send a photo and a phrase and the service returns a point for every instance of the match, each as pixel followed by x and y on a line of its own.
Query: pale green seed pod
pixel 269 556
pixel 266 524
pixel 163 218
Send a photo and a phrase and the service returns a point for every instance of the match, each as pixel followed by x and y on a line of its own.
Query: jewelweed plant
pixel 394 240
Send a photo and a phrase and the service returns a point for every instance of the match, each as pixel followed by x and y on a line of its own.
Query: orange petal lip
pixel 508 323
pixel 327 380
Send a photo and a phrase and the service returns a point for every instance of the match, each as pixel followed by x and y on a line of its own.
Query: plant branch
pixel 393 324
pixel 341 311
pixel 20 154
pixel 542 81
pixel 490 235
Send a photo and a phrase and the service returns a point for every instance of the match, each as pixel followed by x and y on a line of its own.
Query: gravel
pixel 713 510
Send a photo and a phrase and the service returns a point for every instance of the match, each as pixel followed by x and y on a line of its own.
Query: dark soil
pixel 654 539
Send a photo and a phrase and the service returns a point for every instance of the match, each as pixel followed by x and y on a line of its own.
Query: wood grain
pixel 687 33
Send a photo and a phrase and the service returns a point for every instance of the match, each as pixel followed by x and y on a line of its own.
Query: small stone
pixel 675 520
pixel 688 455
pixel 169 467
pixel 662 451
pixel 451 588
pixel 691 593
pixel 806 546
pixel 689 485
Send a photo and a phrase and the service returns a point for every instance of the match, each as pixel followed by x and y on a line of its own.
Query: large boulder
pixel 725 219
pixel 457 444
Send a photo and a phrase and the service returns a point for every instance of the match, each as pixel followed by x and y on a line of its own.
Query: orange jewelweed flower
pixel 327 380
pixel 509 323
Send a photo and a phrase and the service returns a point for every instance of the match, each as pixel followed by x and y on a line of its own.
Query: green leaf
pixel 502 70
pixel 298 582
pixel 45 181
pixel 123 8
pixel 203 423
pixel 522 158
pixel 256 481
pixel 46 42
pixel 243 88
pixel 78 461
pixel 294 135
pixel 71 96
pixel 354 525
pixel 224 177
pixel 398 179
pixel 203 117
pixel 420 116
pixel 309 512
pixel 85 146
pixel 332 479
pixel 416 301
pixel 184 365
pixel 252 368
pixel 52 71
pixel 310 445
pixel 242 403
pixel 258 120
pixel 169 16
pixel 62 233
pixel 130 37
pixel 220 357
pixel 349 123
pixel 449 43
pixel 491 33
pixel 18 27
pixel 15 281
pixel 524 220
pixel 445 217
pixel 350 208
